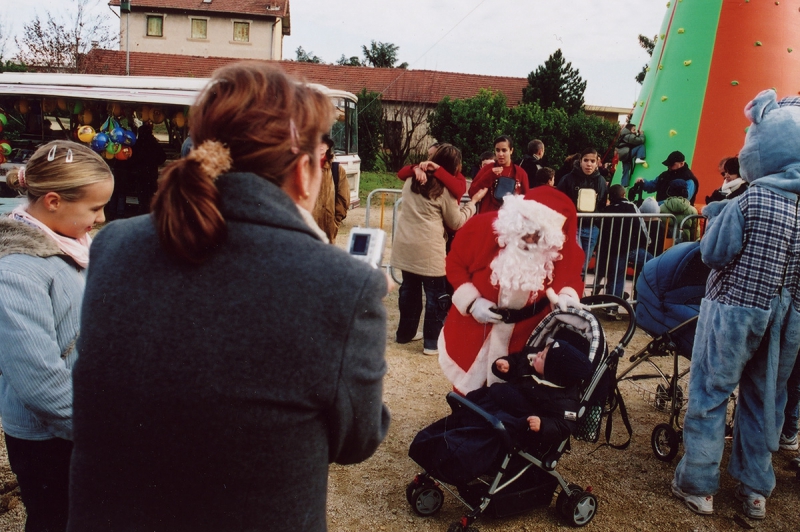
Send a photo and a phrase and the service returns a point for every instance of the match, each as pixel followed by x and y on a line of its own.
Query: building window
pixel 199 28
pixel 241 32
pixel 155 26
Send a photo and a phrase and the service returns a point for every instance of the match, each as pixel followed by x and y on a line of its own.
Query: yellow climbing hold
pixel 644 165
pixel 662 35
pixel 789 50
pixel 687 62
pixel 663 98
pixel 681 30
pixel 672 132
pixel 734 83
pixel 758 43
pixel 647 69
pixel 669 4
pixel 641 104
pixel 661 67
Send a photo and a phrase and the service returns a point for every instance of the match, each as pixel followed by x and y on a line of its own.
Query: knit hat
pixel 678 187
pixel 650 206
pixel 566 365
pixel 674 157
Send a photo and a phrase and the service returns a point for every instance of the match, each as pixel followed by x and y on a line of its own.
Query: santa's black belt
pixel 516 315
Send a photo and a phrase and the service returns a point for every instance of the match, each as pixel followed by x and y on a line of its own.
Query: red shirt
pixel 486 178
pixel 457 185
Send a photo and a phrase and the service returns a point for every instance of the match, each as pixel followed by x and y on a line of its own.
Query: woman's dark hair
pixel 588 151
pixel 732 166
pixel 449 158
pixel 504 138
pixel 266 120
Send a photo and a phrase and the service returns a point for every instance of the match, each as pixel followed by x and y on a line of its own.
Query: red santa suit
pixel 489 259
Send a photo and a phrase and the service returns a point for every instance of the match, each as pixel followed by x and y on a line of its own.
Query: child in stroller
pixel 541 391
pixel 489 448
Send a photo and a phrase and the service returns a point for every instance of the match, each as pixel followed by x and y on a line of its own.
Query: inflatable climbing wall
pixel 711 58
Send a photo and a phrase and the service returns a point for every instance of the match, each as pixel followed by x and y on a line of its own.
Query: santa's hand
pixel 563 300
pixel 535 423
pixel 482 311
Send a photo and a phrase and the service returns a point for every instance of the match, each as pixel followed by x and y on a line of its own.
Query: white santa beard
pixel 524 270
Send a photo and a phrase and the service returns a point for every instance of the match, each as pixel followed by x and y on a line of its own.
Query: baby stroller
pixel 669 292
pixel 489 468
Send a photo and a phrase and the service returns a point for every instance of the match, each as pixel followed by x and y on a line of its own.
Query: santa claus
pixel 509 269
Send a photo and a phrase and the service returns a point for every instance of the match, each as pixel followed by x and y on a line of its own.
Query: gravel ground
pixel 631 485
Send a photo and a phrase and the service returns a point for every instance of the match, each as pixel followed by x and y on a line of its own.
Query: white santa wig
pixel 521 266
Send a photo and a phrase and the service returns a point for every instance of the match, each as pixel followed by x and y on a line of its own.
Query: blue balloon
pixel 99 142
pixel 129 140
pixel 117 135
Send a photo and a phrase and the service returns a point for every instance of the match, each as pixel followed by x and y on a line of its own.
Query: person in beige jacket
pixel 334 194
pixel 418 248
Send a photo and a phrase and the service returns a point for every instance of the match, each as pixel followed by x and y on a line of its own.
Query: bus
pixel 43 107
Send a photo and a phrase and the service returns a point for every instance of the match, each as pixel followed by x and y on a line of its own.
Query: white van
pixel 44 107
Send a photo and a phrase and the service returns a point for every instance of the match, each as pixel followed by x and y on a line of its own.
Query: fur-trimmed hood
pixel 20 238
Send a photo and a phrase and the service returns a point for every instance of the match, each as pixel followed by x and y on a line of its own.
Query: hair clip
pixel 68 159
pixel 51 155
pixel 295 136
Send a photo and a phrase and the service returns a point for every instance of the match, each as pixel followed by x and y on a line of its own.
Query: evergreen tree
pixel 382 55
pixel 306 57
pixel 370 128
pixel 555 84
pixel 351 61
pixel 649 45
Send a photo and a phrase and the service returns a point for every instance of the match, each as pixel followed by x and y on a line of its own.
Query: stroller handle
pixel 605 299
pixel 458 401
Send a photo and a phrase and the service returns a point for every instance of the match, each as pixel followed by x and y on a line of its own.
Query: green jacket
pixel 681 208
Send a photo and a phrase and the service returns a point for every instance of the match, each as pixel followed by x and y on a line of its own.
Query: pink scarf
pixel 77 248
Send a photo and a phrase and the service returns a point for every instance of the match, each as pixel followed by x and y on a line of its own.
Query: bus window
pixel 351 117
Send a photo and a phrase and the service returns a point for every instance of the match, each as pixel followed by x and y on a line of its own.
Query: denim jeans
pixel 437 303
pixel 637 152
pixel 587 239
pixel 732 347
pixel 618 266
pixel 791 414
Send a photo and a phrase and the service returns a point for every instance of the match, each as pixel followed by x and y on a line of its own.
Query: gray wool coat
pixel 213 397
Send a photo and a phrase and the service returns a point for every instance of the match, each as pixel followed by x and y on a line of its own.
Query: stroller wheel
pixel 665 442
pixel 562 501
pixel 427 500
pixel 581 508
pixel 418 481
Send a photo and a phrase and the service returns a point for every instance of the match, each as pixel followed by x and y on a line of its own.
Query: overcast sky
pixel 494 37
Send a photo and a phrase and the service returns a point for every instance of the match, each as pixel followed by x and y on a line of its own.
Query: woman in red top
pixel 489 176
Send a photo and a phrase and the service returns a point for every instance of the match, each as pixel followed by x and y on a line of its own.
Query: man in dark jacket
pixel 531 161
pixel 676 169
pixel 623 241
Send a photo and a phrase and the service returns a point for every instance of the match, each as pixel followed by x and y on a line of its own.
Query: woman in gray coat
pixel 228 354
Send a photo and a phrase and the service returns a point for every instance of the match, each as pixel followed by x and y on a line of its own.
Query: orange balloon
pixel 157 115
pixel 124 153
pixel 85 117
pixel 145 115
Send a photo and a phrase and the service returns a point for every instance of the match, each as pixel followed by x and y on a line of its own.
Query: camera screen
pixel 360 245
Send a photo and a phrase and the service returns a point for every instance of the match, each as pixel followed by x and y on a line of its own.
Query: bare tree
pixel 58 42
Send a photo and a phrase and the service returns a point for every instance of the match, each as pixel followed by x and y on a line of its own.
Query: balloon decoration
pixel 157 115
pixel 61 103
pixel 112 141
pixel 48 105
pixel 145 114
pixel 711 58
pixel 3 118
pixel 5 147
pixel 85 116
pixel 23 106
pixel 179 119
pixel 86 133
pixel 2 158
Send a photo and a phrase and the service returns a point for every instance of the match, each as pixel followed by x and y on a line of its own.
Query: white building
pixel 245 29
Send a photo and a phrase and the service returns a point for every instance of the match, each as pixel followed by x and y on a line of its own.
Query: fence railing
pixel 615 268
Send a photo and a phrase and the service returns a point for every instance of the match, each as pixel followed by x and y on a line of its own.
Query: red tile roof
pixel 272 8
pixel 420 86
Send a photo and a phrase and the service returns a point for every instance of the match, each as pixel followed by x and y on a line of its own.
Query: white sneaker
pixel 639 161
pixel 699 504
pixel 430 352
pixel 753 504
pixel 789 444
pixel 417 336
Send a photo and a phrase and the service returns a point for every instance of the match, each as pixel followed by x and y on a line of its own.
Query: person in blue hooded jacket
pixel 748 331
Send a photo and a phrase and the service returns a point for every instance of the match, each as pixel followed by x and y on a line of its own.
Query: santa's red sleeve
pixel 473 249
